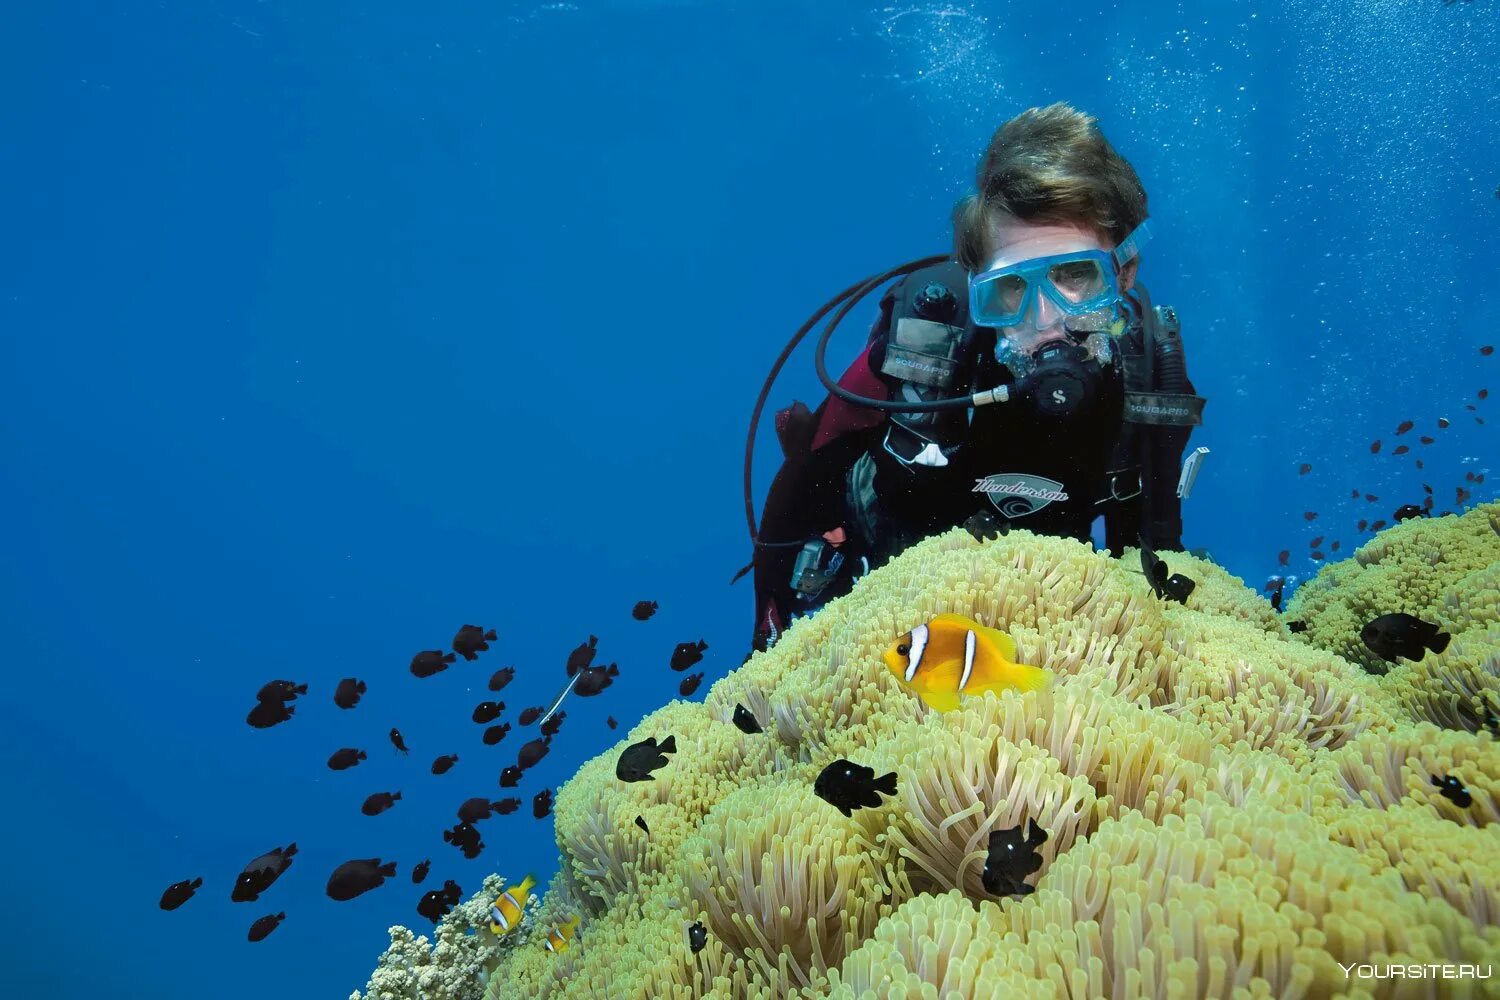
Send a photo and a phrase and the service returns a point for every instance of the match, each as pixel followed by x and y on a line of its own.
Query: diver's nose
pixel 1047 314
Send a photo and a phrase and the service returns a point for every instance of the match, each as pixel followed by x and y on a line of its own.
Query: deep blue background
pixel 327 328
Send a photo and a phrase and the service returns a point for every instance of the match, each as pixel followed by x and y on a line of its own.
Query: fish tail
pixel 1439 642
pixel 669 745
pixel 886 783
pixel 197 882
pixel 396 797
pixel 449 658
pixel 289 849
pixel 388 869
pixel 490 635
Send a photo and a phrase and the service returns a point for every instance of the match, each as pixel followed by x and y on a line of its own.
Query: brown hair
pixel 1048 164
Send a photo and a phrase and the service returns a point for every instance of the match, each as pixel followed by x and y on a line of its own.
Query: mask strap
pixel 1130 246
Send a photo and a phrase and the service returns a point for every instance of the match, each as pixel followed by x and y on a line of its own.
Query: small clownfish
pixel 560 936
pixel 506 913
pixel 952 656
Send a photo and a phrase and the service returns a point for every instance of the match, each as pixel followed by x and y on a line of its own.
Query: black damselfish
pixel 345 758
pixel 471 640
pixel 583 655
pixel 502 677
pixel 261 872
pixel 444 763
pixel 689 685
pixel 1453 790
pixel 465 837
pixel 1011 858
pixel 280 691
pixel 354 878
pixel 744 721
pixel 496 733
pixel 541 803
pixel 687 653
pixel 638 760
pixel 430 661
pixel 475 809
pixel 697 937
pixel 552 725
pixel 510 777
pixel 179 892
pixel 397 740
pixel 1400 635
pixel 348 693
pixel 379 803
pixel 593 680
pixel 848 786
pixel 487 711
pixel 435 905
pixel 643 610
pixel 265 925
pixel 532 753
pixel 419 871
pixel 266 714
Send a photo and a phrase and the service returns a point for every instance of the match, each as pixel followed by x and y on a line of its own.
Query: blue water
pixel 327 328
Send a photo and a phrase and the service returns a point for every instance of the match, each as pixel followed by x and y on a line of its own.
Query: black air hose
pixel 1171 365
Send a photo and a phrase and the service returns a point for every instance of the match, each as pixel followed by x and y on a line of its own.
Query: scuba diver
pixel 1026 381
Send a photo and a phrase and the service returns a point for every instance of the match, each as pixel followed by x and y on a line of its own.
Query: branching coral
pixel 452 968
pixel 1231 810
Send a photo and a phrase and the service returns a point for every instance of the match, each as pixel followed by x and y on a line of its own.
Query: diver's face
pixel 1015 240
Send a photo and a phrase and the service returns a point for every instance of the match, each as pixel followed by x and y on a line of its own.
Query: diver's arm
pixel 805 500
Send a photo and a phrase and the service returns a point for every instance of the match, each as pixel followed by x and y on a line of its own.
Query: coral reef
pixel 1231 810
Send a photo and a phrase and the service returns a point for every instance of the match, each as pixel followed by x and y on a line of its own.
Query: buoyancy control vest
pixel 1045 467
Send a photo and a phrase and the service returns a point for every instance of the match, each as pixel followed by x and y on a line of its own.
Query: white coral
pixel 456 968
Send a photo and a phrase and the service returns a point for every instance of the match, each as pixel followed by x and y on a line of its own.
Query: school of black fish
pixel 274 705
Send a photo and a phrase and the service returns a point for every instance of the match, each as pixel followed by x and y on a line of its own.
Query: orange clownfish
pixel 559 937
pixel 506 913
pixel 952 656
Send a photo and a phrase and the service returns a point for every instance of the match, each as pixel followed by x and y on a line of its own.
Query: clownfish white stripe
pixel 918 647
pixel 969 648
pixel 499 917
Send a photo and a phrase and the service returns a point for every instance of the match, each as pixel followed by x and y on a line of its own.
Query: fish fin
pixel 1439 642
pixel 1024 677
pixel 396 797
pixel 388 869
pixel 1004 644
pixel 941 701
pixel 668 745
pixel 289 849
pixel 886 783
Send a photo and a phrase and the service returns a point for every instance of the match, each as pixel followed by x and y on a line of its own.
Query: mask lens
pixel 1001 296
pixel 1078 280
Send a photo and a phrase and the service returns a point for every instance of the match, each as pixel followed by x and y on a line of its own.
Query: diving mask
pixel 1082 284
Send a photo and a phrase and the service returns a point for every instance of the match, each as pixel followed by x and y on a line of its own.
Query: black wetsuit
pixel 853 482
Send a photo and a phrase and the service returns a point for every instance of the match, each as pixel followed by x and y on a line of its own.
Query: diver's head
pixel 1052 191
